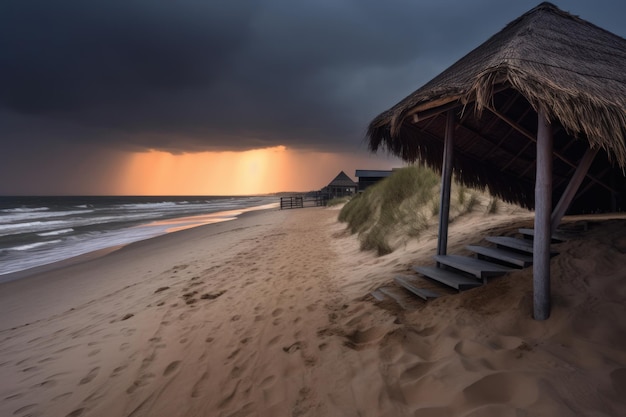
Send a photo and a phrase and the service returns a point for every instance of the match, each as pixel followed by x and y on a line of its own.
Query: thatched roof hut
pixel 546 60
pixel 537 114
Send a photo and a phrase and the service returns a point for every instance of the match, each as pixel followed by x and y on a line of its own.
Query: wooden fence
pixel 303 201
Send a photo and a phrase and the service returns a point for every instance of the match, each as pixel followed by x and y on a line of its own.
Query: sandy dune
pixel 270 315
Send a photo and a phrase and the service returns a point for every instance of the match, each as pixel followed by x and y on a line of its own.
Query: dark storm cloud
pixel 193 75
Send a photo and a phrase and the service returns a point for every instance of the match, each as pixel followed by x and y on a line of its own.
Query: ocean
pixel 36 231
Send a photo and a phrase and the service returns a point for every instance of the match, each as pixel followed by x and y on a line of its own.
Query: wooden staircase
pixel 505 254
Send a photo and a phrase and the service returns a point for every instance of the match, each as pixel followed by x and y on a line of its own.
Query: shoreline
pixel 77 280
pixel 85 257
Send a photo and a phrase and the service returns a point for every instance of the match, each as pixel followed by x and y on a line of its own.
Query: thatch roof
pixel 546 59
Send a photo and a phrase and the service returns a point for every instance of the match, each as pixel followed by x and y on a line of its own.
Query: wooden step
pixel 512 243
pixel 514 258
pixel 477 267
pixel 411 285
pixel 522 245
pixel 405 301
pixel 378 295
pixel 558 236
pixel 449 278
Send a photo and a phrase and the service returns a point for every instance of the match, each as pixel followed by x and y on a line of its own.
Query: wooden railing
pixel 301 202
pixel 291 202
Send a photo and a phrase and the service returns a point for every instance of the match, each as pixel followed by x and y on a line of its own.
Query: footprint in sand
pixel 61 396
pixel 24 409
pixel 118 370
pixel 171 368
pixel 274 340
pixel 294 347
pixel 128 331
pixel 198 387
pixel 236 372
pixel 76 413
pixel 142 381
pixel 90 376
pixel 267 382
pixel 361 339
pixel 46 384
pixel 233 354
pixel 93 353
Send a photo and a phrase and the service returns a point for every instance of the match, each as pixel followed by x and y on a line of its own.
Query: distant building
pixel 368 177
pixel 341 186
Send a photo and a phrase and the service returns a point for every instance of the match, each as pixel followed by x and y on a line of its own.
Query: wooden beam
pixel 434 107
pixel 543 207
pixel 427 114
pixel 572 187
pixel 524 132
pixel 590 184
pixel 446 184
pixel 504 137
pixel 521 151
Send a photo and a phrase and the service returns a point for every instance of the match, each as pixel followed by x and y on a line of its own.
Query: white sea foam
pixel 16 228
pixel 24 209
pixel 56 232
pixel 148 206
pixel 14 217
pixel 35 245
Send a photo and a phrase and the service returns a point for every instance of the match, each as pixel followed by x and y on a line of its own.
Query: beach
pixel 271 314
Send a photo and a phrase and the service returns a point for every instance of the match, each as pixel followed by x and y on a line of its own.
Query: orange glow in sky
pixel 258 171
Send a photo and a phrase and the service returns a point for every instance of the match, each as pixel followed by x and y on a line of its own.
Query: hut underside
pixel 497 148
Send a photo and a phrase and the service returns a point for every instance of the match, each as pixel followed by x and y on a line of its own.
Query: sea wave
pixel 56 232
pixel 24 209
pixel 15 217
pixel 148 206
pixel 34 245
pixel 17 228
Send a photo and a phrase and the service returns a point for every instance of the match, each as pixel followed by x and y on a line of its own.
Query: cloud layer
pixel 228 75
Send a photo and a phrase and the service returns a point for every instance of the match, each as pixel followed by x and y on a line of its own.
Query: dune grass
pixel 390 203
pixel 337 201
pixel 402 206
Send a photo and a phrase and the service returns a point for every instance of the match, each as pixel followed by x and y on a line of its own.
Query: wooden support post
pixel 572 187
pixel 446 184
pixel 543 208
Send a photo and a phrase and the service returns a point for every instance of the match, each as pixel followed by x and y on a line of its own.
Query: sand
pixel 271 315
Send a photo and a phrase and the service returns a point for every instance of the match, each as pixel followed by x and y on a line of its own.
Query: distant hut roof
pixel 376 173
pixel 546 59
pixel 342 180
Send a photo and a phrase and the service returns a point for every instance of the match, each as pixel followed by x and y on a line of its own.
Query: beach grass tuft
pixel 492 207
pixel 403 205
pixel 395 202
pixel 337 201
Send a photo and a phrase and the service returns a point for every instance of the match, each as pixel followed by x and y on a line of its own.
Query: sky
pixel 211 97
